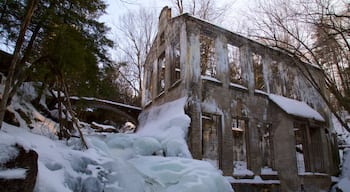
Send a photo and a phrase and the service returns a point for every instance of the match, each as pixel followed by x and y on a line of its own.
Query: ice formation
pixel 156 158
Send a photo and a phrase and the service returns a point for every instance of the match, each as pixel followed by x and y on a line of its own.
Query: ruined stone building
pixel 254 114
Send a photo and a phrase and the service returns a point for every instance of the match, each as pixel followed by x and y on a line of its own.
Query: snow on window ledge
pixel 209 78
pixel 256 180
pixel 235 85
pixel 313 174
pixel 175 84
pixel 240 169
pixel 268 171
pixel 148 103
pixel 160 94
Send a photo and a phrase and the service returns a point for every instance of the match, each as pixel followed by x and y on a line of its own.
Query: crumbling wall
pixel 238 94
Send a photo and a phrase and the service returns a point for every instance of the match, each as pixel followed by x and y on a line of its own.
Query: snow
pixel 268 171
pixel 240 169
pixel 169 124
pixel 344 180
pixel 179 174
pixel 260 92
pixel 296 108
pixel 209 78
pixel 7 149
pixel 156 158
pixel 106 101
pixel 255 180
pixel 238 86
pixel 344 184
pixel 210 106
pixel 103 126
pixel 18 173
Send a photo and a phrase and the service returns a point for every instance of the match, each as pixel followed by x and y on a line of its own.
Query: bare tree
pixel 316 32
pixel 205 9
pixel 137 31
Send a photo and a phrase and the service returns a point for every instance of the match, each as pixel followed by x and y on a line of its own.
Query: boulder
pixel 26 160
pixel 10 118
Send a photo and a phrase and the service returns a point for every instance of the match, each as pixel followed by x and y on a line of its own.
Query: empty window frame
pixel 211 138
pixel 148 84
pixel 207 56
pixel 234 64
pixel 161 73
pixel 175 66
pixel 266 145
pixel 308 148
pixel 162 38
pixel 258 71
pixel 274 80
pixel 239 139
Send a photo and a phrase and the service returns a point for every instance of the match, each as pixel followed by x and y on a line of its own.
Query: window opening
pixel 239 141
pixel 258 71
pixel 316 151
pixel 211 139
pixel 239 147
pixel 148 88
pixel 265 144
pixel 207 56
pixel 300 147
pixel 161 73
pixel 234 63
pixel 162 39
pixel 176 70
pixel 308 151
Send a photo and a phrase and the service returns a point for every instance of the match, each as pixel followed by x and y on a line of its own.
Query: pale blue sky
pixel 117 8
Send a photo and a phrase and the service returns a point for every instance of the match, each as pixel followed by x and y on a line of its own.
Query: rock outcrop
pixel 26 160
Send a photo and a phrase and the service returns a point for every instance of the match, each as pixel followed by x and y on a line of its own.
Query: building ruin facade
pixel 254 112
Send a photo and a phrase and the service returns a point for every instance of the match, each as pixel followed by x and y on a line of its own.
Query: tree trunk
pixel 25 23
pixel 60 120
pixel 23 72
pixel 72 113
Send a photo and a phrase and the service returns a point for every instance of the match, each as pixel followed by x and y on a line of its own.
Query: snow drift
pixel 156 158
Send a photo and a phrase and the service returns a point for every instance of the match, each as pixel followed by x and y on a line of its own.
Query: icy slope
pixel 114 162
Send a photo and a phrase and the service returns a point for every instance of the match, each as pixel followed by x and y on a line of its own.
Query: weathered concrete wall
pixel 282 74
pixel 233 102
pixel 218 96
pixel 216 100
pixel 284 149
pixel 315 182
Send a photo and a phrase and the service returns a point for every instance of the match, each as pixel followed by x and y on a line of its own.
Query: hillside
pixel 149 160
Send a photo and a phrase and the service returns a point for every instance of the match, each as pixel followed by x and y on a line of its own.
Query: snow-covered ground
pixel 156 158
pixel 344 178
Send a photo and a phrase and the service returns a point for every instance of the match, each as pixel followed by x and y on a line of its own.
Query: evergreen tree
pixel 64 43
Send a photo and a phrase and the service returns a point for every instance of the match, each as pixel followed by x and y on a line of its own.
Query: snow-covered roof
pixel 296 108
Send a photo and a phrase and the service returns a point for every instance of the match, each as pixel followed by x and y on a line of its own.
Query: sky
pixel 235 20
pixel 117 8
